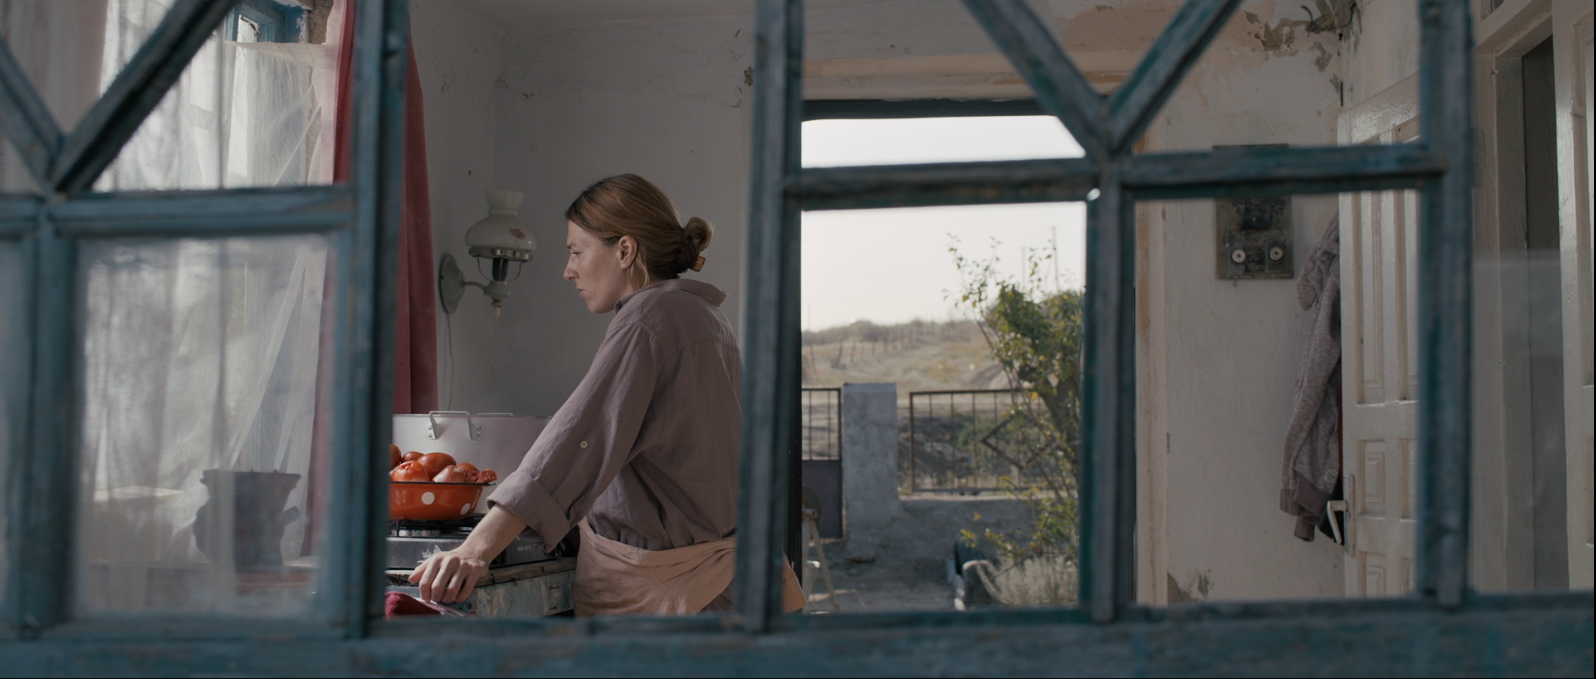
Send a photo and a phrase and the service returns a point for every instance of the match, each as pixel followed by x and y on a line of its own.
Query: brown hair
pixel 629 205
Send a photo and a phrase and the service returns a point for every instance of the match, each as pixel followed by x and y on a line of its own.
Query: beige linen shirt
pixel 646 448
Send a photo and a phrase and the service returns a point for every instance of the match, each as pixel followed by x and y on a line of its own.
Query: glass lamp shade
pixel 501 235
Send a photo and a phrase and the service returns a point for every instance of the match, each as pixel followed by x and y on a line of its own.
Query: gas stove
pixel 411 542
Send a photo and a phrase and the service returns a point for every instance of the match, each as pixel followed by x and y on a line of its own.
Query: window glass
pixel 59 45
pixel 15 177
pixel 967 349
pixel 204 377
pixel 829 143
pixel 254 107
pixel 896 50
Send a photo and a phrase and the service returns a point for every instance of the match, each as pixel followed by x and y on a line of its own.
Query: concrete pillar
pixel 869 464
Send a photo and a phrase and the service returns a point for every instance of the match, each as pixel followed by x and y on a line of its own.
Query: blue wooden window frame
pixel 360 220
pixel 1443 629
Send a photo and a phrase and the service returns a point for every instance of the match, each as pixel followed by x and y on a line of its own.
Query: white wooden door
pixel 1575 64
pixel 1379 365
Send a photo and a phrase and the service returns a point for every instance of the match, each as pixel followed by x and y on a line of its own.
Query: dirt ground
pixel 881 586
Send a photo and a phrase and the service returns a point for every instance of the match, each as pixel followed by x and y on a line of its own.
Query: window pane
pixel 830 143
pixel 13 376
pixel 253 107
pixel 247 111
pixel 15 177
pixel 897 50
pixel 58 44
pixel 200 370
pixel 941 411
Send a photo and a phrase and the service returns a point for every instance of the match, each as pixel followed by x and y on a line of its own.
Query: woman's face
pixel 599 270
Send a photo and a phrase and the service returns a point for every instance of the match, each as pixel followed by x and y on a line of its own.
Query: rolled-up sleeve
pixel 589 440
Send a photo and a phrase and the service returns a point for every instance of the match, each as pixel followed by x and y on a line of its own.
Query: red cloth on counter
pixel 401 605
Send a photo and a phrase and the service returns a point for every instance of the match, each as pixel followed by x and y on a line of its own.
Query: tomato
pixel 394 456
pixel 411 456
pixel 409 471
pixel 449 475
pixel 487 476
pixel 435 462
pixel 466 468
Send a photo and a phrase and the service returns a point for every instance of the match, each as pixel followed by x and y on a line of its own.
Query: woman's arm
pixel 450 576
pixel 590 440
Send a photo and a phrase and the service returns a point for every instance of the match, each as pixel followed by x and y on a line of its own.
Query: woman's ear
pixel 626 250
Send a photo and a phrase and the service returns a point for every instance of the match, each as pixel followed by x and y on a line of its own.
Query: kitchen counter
pixel 523 591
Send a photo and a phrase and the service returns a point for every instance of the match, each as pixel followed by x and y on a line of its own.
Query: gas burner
pixel 409 542
pixel 431 529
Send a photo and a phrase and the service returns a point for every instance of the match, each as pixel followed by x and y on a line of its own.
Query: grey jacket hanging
pixel 1312 463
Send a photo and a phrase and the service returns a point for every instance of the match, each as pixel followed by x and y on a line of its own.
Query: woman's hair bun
pixel 630 206
pixel 696 236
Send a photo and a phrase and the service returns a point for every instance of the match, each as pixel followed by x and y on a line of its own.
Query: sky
pixel 891 266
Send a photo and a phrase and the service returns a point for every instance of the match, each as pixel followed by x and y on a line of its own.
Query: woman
pixel 642 458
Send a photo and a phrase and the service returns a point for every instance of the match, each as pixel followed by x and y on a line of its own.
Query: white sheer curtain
pixel 243 114
pixel 202 354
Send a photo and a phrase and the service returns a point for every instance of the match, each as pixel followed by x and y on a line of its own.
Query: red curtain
pixel 415 369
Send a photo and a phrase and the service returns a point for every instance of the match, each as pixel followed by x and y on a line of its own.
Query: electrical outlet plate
pixel 1253 236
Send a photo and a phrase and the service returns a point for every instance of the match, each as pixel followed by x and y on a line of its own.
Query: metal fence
pixel 821 419
pixel 820 431
pixel 969 441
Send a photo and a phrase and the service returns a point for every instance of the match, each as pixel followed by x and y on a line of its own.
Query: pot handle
pixel 433 430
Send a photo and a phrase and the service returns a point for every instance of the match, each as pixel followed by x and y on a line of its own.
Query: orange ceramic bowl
pixel 428 501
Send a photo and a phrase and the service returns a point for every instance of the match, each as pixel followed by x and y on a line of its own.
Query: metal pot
pixel 497 441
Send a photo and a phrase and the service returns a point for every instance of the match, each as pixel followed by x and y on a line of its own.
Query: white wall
pixel 1219 358
pixel 546 110
pixel 459 57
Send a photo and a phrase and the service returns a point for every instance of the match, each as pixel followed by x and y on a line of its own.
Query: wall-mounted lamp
pixel 500 238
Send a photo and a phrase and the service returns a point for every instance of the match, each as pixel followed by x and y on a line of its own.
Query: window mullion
pixel 366 280
pixel 1281 171
pixel 44 491
pixel 1445 289
pixel 976 183
pixel 770 384
pixel 19 215
pixel 1108 401
pixel 228 213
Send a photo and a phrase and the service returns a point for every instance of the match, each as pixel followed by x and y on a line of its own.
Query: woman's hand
pixel 450 576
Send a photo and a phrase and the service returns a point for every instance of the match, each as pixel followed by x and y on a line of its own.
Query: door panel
pixel 1380 354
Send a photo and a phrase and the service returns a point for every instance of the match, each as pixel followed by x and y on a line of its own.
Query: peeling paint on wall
pixel 1196 589
pixel 1280 38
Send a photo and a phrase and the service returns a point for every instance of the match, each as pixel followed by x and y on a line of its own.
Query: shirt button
pixel 584 444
